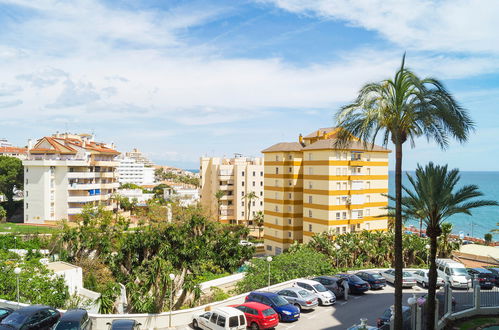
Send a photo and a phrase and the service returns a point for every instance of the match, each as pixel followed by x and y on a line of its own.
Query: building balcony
pixel 75 210
pixel 110 185
pixel 107 174
pixel 84 186
pixel 84 199
pixel 105 163
pixel 83 175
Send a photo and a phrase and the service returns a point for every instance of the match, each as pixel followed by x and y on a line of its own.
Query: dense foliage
pixel 142 259
pixel 37 285
pixel 11 176
pixel 301 261
pixel 160 175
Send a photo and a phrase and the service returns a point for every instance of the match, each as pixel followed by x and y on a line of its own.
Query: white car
pixel 326 297
pixel 221 318
pixel 245 243
pixel 421 277
pixel 407 279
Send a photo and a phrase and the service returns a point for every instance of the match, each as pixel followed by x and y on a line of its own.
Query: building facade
pixel 241 181
pixel 139 157
pixel 65 172
pixel 311 187
pixel 131 170
pixel 7 149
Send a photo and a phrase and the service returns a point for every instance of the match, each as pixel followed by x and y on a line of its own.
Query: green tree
pixel 37 285
pixel 301 262
pixel 488 238
pixel 218 196
pixel 250 197
pixel 435 194
pixel 158 190
pixel 11 176
pixel 259 221
pixel 130 186
pixel 445 245
pixel 3 214
pixel 400 109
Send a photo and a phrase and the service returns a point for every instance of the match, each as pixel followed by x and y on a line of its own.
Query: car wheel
pixel 320 302
pixel 298 306
pixel 425 285
pixel 195 324
pixel 254 326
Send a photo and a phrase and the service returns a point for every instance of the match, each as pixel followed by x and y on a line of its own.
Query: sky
pixel 182 79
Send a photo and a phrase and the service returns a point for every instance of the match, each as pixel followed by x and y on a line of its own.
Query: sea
pixel 483 219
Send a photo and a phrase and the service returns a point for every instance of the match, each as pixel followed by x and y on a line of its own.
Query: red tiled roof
pixel 13 150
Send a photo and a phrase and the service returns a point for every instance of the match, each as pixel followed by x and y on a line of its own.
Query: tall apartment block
pixel 65 172
pixel 237 178
pixel 311 187
pixel 130 170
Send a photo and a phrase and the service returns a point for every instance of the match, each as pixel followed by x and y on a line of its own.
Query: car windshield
pixel 458 271
pixel 354 278
pixel 268 312
pixel 319 287
pixel 279 301
pixel 304 293
pixel 377 276
pixel 67 325
pixel 407 274
pixel 14 319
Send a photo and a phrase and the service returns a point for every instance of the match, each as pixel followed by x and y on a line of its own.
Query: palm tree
pixel 249 198
pixel 259 221
pixel 404 108
pixel 434 194
pixel 218 195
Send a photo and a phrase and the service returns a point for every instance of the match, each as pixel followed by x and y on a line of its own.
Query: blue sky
pixel 181 79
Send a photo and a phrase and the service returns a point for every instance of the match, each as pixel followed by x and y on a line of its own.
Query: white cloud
pixel 447 25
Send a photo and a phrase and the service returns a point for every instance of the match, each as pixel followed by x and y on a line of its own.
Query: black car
pixel 74 319
pixel 355 283
pixel 4 312
pixel 486 278
pixel 124 324
pixel 34 317
pixel 375 280
pixel 495 271
pixel 387 314
pixel 332 284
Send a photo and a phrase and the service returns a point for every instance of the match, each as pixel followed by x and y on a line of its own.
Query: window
pixel 344 229
pixel 254 183
pixel 254 173
pixel 368 199
pixel 242 173
pixel 368 171
pixel 368 185
pixel 276 221
pixel 242 203
pixel 277 170
pixel 27 205
pixel 290 170
pixel 290 156
pixel 242 183
pixel 27 170
pixel 289 234
pixel 242 193
pixel 27 193
pixel 338 215
pixel 26 181
pixel 289 208
pixel 253 204
pixel 213 318
pixel 276 158
pixel 310 170
pixel 261 173
pixel 310 213
pixel 261 183
pixel 344 215
pixel 310 185
pixel 368 212
pixel 233 321
pixel 276 208
pixel 289 195
pixel 344 186
pixel 242 213
pixel 338 186
pixel 229 202
pixel 290 182
pixel 221 321
pixel 310 227
pixel 261 193
pixel 309 156
pixel 261 203
pixel 276 195
pixel 269 247
pixel 289 221
pixel 310 199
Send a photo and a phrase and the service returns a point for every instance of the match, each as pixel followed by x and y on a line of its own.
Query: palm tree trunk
pixel 420 227
pixel 398 236
pixel 432 284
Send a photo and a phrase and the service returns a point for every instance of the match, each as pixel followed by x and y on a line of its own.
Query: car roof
pixel 28 310
pixel 329 277
pixel 481 270
pixel 293 288
pixel 123 322
pixel 263 293
pixel 230 311
pixel 256 305
pixel 74 314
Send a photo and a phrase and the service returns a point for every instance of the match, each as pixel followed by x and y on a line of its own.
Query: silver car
pixel 408 280
pixel 421 277
pixel 299 297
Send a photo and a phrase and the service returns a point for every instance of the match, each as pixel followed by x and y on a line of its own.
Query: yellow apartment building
pixel 311 187
pixel 237 177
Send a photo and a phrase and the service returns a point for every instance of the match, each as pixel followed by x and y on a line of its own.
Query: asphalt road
pixel 344 314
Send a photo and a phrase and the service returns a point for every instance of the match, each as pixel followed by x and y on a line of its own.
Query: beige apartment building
pixel 312 187
pixel 237 177
pixel 65 172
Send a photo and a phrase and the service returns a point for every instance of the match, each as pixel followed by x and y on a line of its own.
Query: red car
pixel 258 316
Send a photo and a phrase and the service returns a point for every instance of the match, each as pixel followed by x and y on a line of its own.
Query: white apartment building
pixel 237 177
pixel 186 195
pixel 130 170
pixel 65 172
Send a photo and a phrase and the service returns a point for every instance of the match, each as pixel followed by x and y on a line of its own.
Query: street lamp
pixel 269 259
pixel 17 271
pixel 172 277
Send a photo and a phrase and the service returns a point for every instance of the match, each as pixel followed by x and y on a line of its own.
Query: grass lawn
pixel 17 228
pixel 473 323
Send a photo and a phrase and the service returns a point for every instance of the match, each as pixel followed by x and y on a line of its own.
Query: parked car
pixel 454 273
pixel 74 319
pixel 408 281
pixel 220 318
pixel 326 297
pixel 284 309
pixel 355 283
pixel 258 316
pixel 375 280
pixel 422 277
pixel 301 298
pixel 245 243
pixel 331 283
pixel 30 318
pixel 4 312
pixel 387 314
pixel 486 278
pixel 495 271
pixel 124 324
